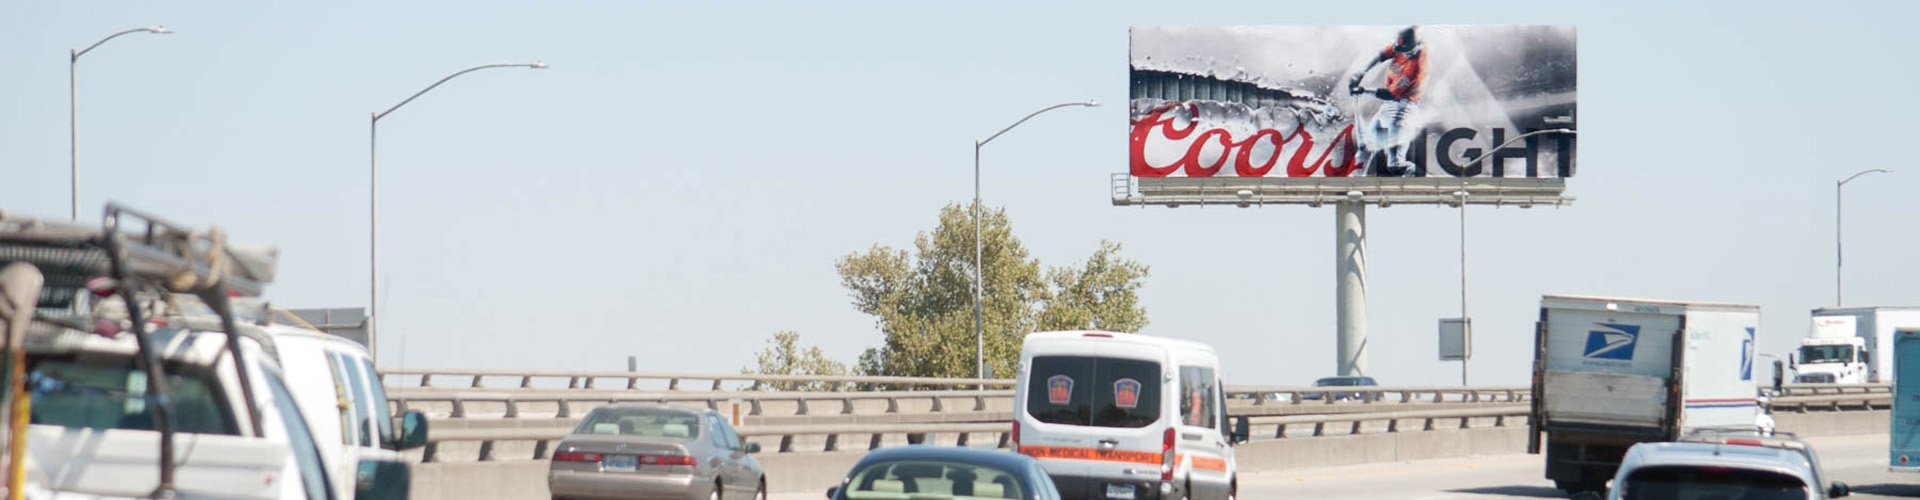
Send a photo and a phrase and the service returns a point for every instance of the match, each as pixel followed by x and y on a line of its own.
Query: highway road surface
pixel 1858 461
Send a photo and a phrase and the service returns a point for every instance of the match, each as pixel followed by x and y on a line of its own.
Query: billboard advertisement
pixel 1352 101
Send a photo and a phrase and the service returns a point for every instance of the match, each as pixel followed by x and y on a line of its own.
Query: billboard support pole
pixel 1350 283
pixel 1467 324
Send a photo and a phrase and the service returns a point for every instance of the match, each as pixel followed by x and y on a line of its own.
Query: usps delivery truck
pixel 1610 372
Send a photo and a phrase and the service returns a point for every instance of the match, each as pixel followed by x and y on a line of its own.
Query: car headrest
pixel 675 430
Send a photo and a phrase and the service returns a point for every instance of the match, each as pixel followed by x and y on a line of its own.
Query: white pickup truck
pixel 93 430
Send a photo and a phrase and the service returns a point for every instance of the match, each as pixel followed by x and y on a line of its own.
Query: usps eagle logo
pixel 1126 393
pixel 1612 341
pixel 1059 389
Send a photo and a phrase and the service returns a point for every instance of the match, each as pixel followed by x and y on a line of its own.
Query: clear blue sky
pixel 679 185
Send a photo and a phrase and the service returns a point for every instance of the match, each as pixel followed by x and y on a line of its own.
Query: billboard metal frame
pixel 1314 191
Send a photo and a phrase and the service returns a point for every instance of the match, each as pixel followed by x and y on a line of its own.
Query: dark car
pixel 1356 381
pixel 942 472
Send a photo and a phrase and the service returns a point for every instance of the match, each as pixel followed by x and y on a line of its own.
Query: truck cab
pixel 1834 352
pixel 1831 361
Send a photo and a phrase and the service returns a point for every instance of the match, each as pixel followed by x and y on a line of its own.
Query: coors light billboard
pixel 1351 101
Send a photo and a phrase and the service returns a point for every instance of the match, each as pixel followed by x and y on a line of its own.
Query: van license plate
pixel 619 462
pixel 1120 491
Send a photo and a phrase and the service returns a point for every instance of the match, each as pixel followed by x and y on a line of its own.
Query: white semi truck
pixel 1612 372
pixel 1843 343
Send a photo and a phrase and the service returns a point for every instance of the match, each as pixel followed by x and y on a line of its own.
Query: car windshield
pixel 109 392
pixel 645 422
pixel 1704 482
pixel 1826 353
pixel 930 479
pixel 1342 382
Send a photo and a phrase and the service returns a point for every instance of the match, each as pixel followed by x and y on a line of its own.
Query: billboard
pixel 1352 101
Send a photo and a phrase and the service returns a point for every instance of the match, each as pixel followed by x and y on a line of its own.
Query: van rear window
pixel 1095 391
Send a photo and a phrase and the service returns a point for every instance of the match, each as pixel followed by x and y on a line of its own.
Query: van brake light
pixel 1166 455
pixel 1016 436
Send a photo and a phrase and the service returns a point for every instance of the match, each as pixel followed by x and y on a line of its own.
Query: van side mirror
pixel 753 447
pixel 1866 357
pixel 833 491
pixel 1838 490
pixel 1242 430
pixel 382 480
pixel 413 431
pixel 1793 362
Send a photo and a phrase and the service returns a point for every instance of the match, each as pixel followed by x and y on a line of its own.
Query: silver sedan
pixel 655 451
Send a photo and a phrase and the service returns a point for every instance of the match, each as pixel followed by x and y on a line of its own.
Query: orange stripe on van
pixel 1209 463
pixel 1070 453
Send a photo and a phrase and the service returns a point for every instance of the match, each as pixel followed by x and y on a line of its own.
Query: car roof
pixel 1784 461
pixel 1134 338
pixel 695 410
pixel 979 456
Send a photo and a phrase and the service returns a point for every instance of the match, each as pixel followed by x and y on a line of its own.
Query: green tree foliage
pixel 1102 294
pixel 784 356
pixel 923 301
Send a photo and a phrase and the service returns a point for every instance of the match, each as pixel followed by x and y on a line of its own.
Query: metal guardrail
pixel 1428 418
pixel 1262 395
pixel 457 400
pixel 788 437
pixel 1818 389
pixel 563 403
pixel 585 379
pixel 1833 402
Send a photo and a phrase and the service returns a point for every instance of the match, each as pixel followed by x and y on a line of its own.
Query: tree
pixel 1101 295
pixel 923 302
pixel 783 356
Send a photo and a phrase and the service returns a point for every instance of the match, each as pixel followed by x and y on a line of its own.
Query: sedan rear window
pixel 1095 391
pixel 1712 482
pixel 928 479
pixel 640 422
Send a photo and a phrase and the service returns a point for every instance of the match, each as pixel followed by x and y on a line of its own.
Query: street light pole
pixel 73 114
pixel 373 202
pixel 1466 324
pixel 1838 257
pixel 979 330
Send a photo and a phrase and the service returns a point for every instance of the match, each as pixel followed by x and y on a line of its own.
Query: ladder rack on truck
pixel 144 261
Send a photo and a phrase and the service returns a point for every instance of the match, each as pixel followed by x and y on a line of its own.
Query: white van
pixel 334 383
pixel 1120 416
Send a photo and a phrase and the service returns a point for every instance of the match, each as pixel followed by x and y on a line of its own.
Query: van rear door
pixel 1099 418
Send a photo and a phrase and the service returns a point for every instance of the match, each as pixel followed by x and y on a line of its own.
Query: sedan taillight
pixel 666 460
pixel 576 456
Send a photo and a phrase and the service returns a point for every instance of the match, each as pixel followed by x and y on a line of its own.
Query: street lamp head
pixel 159 30
pixel 1091 103
pixel 538 65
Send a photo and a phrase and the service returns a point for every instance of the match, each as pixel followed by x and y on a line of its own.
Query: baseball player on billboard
pixel 1395 124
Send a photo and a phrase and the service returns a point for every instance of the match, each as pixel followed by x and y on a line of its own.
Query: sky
pixel 679 184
